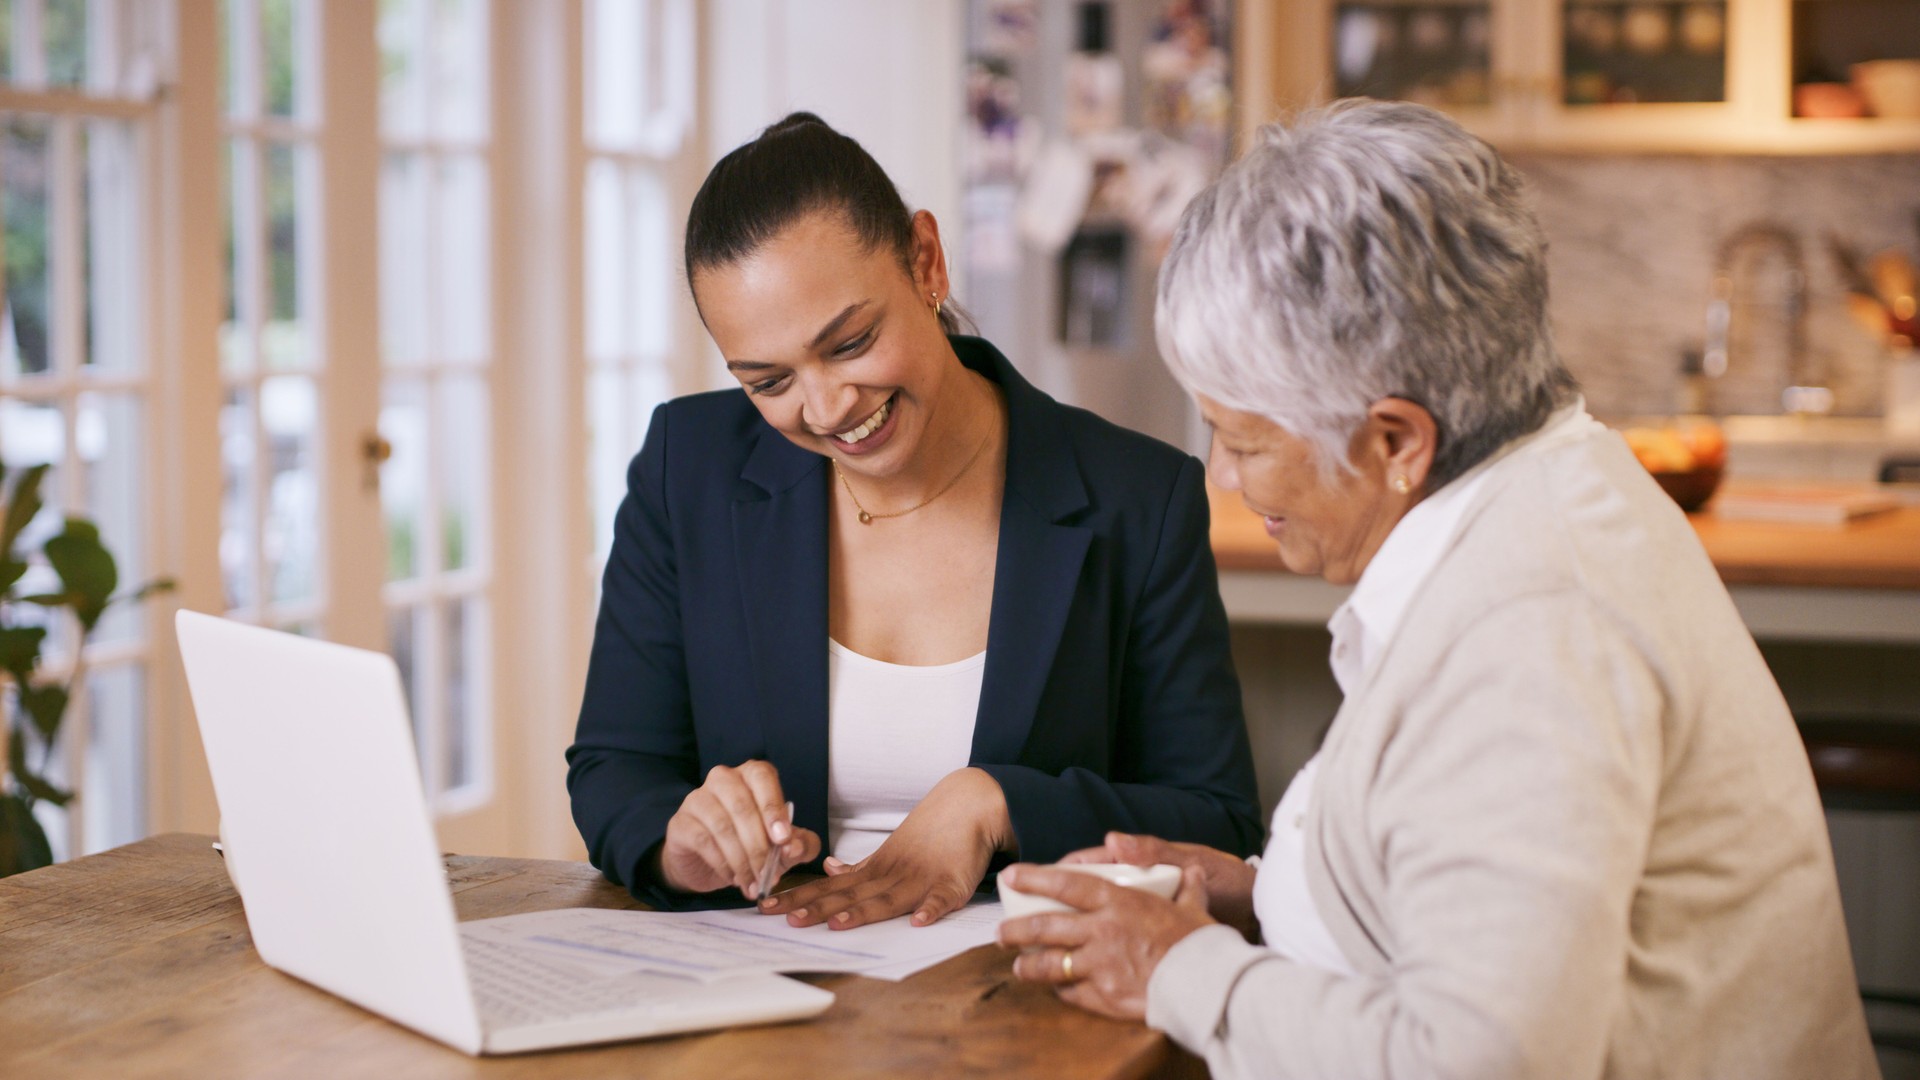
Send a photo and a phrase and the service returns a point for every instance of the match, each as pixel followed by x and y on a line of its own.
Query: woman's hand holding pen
pixel 726 828
pixel 930 866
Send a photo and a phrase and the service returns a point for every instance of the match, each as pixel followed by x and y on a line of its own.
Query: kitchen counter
pixel 1853 583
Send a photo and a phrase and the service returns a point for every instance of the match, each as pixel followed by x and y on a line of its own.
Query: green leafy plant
pixel 35 702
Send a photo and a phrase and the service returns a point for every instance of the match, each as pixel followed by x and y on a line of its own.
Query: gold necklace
pixel 867 518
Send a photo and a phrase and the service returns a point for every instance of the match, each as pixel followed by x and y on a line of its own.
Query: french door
pixel 356 357
pixel 78 91
pixel 331 309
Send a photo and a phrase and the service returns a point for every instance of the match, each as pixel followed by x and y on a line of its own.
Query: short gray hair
pixel 1366 250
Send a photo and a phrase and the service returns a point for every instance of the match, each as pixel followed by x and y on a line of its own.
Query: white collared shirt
pixel 1362 628
pixel 1364 625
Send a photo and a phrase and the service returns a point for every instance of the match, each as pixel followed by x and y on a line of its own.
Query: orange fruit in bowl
pixel 1659 449
pixel 1687 461
pixel 1709 445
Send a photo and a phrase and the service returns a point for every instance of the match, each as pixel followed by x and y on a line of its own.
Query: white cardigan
pixel 1563 828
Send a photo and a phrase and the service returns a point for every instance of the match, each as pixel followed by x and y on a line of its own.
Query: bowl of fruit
pixel 1686 457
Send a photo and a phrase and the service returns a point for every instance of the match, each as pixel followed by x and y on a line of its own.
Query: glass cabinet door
pixel 1435 53
pixel 1643 52
pixel 1462 56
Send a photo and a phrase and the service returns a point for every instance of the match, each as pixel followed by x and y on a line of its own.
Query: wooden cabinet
pixel 1711 76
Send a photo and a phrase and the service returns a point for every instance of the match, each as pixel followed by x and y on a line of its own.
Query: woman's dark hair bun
pixel 793 120
pixel 798 166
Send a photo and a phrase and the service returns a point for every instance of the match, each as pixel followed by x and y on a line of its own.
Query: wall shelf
pixel 1290 52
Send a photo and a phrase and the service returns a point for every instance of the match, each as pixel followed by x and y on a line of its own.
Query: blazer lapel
pixel 780 540
pixel 1035 577
pixel 1037 571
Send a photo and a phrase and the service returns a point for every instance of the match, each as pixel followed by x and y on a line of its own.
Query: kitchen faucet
pixel 1739 254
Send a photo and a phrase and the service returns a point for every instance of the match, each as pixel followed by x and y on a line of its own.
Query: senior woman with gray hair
pixel 1562 825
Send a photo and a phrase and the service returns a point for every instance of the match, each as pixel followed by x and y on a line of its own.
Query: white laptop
pixel 328 836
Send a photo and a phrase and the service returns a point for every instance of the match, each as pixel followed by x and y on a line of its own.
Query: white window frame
pixel 68 380
pixel 542 618
pixel 433 591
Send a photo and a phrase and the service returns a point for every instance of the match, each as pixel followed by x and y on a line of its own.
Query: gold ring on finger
pixel 1066 966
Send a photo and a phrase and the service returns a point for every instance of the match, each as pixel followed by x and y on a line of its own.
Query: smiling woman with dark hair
pixel 948 618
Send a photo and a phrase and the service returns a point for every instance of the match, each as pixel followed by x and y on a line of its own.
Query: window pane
pixel 648 384
pixel 616 57
pixel 654 266
pixel 405 213
pixel 403 67
pixel 114 247
pixel 35 433
pixel 401 642
pixel 26 164
pixel 236 500
pixel 236 340
pixel 464 468
pixel 607 252
pixel 241 54
pixel 65 27
pixel 31 433
pixel 403 478
pixel 126 55
pixel 284 339
pixel 671 93
pixel 461 266
pixel 606 418
pixel 109 436
pixel 114 798
pixel 417 679
pixel 464 638
pixel 639 86
pixel 6 41
pixel 460 69
pixel 290 540
pixel 276 40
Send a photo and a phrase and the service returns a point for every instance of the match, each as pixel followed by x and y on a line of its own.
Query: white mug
pixel 1161 879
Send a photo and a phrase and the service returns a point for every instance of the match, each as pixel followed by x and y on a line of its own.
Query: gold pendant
pixel 866 518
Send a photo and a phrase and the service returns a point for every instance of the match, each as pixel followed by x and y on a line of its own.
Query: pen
pixel 770 871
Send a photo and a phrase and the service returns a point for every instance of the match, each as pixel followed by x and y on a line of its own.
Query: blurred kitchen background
pixel 348 315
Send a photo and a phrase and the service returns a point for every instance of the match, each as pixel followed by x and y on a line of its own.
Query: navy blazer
pixel 1108 700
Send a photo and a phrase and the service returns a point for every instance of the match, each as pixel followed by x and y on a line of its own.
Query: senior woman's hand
pixel 1101 956
pixel 930 865
pixel 1228 878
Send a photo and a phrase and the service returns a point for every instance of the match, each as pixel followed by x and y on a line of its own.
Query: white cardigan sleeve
pixel 1508 814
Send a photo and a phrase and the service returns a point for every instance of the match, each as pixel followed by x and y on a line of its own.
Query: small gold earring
pixel 936 304
pixel 1402 485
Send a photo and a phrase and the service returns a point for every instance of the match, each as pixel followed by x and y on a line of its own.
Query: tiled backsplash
pixel 1634 241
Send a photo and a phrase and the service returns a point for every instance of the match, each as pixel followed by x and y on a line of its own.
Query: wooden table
pixel 137 963
pixel 1853 583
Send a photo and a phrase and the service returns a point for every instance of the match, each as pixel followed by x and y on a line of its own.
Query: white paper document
pixel 711 945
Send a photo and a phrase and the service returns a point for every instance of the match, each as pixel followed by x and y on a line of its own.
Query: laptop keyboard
pixel 515 989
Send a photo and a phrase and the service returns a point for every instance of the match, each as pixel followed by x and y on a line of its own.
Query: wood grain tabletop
pixel 1877 552
pixel 136 963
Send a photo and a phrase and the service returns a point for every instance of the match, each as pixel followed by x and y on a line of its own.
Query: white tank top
pixel 893 731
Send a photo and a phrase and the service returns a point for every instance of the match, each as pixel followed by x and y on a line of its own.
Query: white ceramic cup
pixel 1162 879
